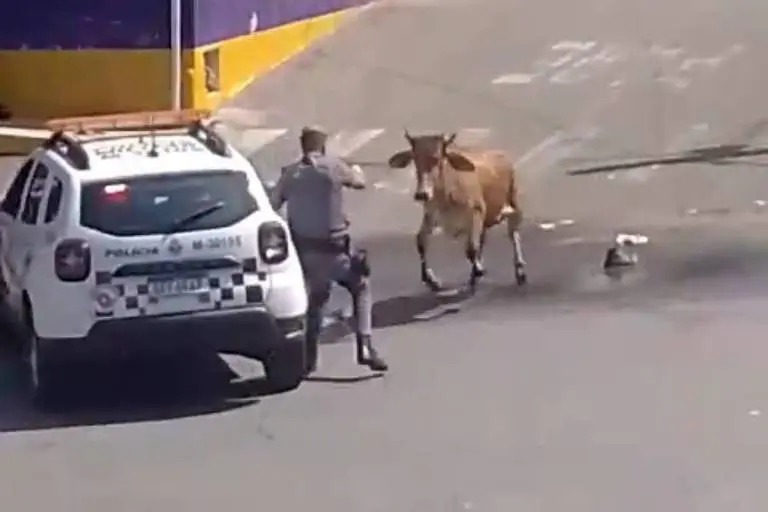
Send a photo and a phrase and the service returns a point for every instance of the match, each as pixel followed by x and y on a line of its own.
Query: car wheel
pixel 42 372
pixel 12 333
pixel 285 369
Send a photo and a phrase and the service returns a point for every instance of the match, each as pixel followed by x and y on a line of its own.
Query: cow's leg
pixel 474 248
pixel 513 230
pixel 479 260
pixel 422 246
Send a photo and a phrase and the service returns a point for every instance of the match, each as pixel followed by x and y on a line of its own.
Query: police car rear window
pixel 153 204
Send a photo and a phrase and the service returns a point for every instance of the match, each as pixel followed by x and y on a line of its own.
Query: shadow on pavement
pixel 131 391
pixel 393 312
pixel 345 380
pixel 725 154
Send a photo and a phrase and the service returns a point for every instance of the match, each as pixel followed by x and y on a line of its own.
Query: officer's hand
pixel 357 177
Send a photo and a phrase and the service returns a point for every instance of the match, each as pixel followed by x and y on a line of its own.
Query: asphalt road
pixel 579 393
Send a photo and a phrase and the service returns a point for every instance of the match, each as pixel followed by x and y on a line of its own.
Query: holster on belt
pixel 336 244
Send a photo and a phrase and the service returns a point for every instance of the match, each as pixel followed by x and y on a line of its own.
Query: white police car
pixel 147 239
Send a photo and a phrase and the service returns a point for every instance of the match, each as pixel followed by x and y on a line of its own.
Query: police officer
pixel 313 191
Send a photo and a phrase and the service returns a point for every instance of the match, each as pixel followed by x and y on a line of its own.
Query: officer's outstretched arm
pixel 352 176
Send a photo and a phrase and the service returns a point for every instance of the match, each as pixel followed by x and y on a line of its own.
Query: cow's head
pixel 429 154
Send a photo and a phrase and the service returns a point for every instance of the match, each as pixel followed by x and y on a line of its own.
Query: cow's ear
pixel 401 160
pixel 459 162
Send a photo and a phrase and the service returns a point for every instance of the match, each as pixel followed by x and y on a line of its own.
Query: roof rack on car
pixel 144 121
pixel 68 133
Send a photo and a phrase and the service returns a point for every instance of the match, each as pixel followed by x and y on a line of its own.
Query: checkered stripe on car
pixel 224 290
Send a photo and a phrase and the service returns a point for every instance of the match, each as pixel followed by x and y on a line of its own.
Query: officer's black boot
pixel 367 355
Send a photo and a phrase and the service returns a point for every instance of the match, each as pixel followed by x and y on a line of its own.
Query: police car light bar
pixel 156 120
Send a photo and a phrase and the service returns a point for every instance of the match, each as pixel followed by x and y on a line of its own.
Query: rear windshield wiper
pixel 196 215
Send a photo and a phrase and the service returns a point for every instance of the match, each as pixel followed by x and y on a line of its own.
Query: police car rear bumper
pixel 250 331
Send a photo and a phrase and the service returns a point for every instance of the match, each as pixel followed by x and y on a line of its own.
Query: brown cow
pixel 465 192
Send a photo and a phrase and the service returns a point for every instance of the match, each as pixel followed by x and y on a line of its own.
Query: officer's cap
pixel 313 137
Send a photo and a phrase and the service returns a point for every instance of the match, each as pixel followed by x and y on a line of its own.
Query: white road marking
pixel 760 202
pixel 564 242
pixel 539 148
pixel 580 57
pixel 610 54
pixel 514 79
pixel 555 149
pixel 561 61
pixel 473 135
pixel 574 45
pixel 252 140
pixel 550 226
pixel 568 76
pixel 665 51
pixel 345 143
pixel 754 412
pixel 709 62
pixel 241 117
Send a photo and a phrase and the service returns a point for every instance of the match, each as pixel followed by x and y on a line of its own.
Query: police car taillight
pixel 72 260
pixel 273 243
pixel 115 193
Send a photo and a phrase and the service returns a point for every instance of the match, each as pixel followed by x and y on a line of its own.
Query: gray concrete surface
pixel 578 393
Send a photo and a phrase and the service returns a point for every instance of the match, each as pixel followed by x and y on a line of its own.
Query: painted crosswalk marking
pixel 241 117
pixel 514 79
pixel 254 139
pixel 473 135
pixel 345 142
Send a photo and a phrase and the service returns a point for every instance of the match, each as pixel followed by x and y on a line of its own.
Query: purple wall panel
pixel 80 24
pixel 215 23
pixel 143 24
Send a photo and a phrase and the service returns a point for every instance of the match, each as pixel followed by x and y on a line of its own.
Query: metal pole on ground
pixel 176 54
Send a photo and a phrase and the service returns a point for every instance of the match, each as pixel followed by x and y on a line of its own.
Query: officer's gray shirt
pixel 313 191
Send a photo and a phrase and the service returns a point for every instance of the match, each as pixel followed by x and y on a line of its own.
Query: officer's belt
pixel 334 244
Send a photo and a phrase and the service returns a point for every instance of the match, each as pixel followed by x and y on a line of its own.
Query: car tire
pixel 43 372
pixel 12 337
pixel 11 325
pixel 285 369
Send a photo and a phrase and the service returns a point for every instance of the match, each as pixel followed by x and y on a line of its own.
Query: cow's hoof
pixel 448 293
pixel 521 277
pixel 506 211
pixel 434 286
pixel 430 280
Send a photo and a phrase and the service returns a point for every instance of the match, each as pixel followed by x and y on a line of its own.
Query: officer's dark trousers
pixel 347 268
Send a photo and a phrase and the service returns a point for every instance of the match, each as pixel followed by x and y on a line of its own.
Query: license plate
pixel 177 286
